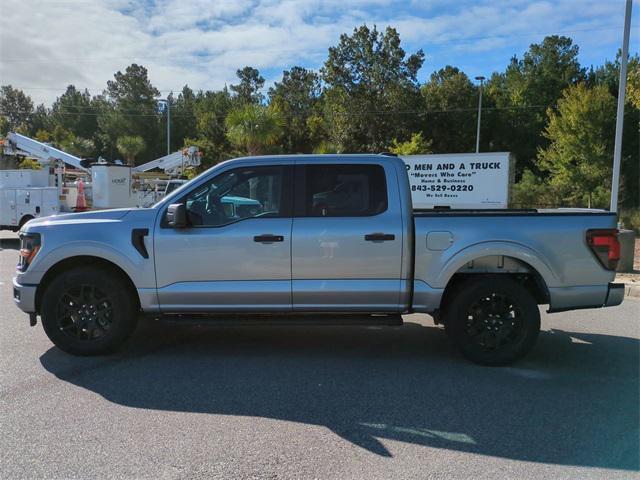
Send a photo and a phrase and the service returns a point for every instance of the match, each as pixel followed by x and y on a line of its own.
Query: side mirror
pixel 177 215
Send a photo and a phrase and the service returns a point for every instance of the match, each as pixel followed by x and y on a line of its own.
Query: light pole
pixel 481 78
pixel 166 102
pixel 617 145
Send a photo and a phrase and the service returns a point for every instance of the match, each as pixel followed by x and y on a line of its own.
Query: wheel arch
pixel 84 260
pixel 488 266
pixel 24 219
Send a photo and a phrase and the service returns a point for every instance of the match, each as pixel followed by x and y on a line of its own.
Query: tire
pixel 88 311
pixel 24 220
pixel 492 320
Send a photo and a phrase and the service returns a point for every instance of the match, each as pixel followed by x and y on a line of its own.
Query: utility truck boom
pixel 173 163
pixel 16 144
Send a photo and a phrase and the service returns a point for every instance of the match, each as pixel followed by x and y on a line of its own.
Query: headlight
pixel 29 247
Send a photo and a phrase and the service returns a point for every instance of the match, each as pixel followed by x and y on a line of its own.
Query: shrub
pixel 631 219
pixel 29 164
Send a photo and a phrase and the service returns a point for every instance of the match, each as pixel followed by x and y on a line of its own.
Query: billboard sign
pixel 460 180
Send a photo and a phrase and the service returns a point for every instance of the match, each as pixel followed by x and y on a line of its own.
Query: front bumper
pixel 615 294
pixel 24 296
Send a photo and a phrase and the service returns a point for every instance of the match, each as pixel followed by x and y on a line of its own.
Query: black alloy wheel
pixel 88 310
pixel 492 319
pixel 84 312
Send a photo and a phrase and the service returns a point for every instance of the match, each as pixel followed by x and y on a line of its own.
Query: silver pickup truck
pixel 308 239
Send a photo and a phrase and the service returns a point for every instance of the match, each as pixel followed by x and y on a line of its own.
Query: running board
pixel 279 319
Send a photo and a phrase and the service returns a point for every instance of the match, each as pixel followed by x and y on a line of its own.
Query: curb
pixel 631 290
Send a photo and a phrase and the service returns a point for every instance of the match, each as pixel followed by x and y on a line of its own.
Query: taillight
pixel 606 246
pixel 29 247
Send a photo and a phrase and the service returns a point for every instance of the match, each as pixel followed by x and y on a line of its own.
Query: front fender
pixel 139 269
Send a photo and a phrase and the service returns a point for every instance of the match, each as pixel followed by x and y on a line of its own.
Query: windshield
pixel 178 191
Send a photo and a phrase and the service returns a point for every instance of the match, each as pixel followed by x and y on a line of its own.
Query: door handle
pixel 379 237
pixel 268 238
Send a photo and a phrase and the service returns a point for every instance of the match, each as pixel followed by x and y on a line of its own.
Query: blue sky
pixel 203 42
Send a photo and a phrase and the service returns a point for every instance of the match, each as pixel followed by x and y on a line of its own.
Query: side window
pixel 235 195
pixel 344 190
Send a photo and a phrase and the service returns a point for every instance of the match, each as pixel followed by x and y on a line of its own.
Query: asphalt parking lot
pixel 319 402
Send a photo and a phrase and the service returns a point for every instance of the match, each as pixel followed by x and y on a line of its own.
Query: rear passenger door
pixel 346 238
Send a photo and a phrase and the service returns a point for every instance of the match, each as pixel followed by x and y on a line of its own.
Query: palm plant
pixel 253 127
pixel 130 146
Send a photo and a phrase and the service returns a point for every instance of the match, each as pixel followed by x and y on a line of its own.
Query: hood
pixel 97 216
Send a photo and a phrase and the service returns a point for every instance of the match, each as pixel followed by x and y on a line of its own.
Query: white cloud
pixel 47 44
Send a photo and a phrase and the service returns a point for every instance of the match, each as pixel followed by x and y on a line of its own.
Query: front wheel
pixel 492 320
pixel 88 311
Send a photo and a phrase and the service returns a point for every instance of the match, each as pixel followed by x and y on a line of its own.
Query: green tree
pixel 608 75
pixel 5 125
pixel 248 89
pixel 579 155
pixel 111 126
pixel 253 128
pixel 183 117
pixel 633 83
pixel 534 192
pixel 324 147
pixel 75 112
pixel 40 119
pixel 318 127
pixel 15 106
pixel 131 146
pixel 631 140
pixel 295 98
pixel 211 109
pixel 415 146
pixel 546 70
pixel 65 140
pixel 450 99
pixel 134 100
pixel 58 136
pixel 371 91
pixel 522 95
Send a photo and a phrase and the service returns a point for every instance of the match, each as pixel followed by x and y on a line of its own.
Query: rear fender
pixel 485 249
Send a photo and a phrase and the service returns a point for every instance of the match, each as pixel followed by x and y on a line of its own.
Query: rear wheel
pixel 492 320
pixel 88 311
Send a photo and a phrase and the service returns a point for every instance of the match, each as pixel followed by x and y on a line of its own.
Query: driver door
pixel 235 253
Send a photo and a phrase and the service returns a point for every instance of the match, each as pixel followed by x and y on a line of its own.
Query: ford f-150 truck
pixel 332 237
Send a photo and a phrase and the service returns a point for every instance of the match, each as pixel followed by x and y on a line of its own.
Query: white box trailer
pixel 19 205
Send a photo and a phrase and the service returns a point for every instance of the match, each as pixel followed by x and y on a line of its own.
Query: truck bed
pixel 550 244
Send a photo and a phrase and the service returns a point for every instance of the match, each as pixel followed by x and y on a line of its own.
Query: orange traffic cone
pixel 81 202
